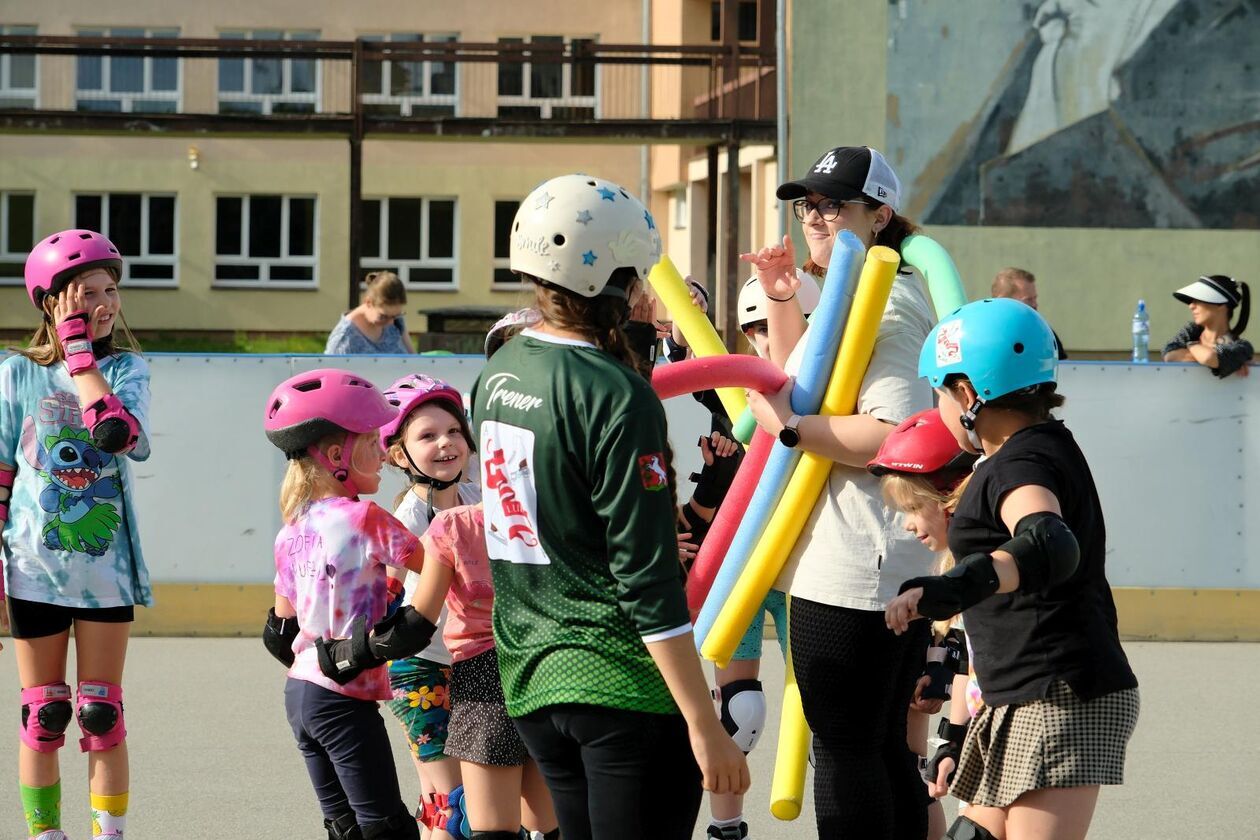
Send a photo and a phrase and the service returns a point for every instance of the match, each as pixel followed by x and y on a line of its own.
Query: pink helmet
pixel 413 391
pixel 312 405
pixel 55 260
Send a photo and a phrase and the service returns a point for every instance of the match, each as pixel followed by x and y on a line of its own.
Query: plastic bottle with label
pixel 1141 335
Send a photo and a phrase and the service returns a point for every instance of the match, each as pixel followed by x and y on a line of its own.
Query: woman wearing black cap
pixel 850 558
pixel 1209 339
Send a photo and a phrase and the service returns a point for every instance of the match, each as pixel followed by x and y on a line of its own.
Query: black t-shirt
pixel 1022 640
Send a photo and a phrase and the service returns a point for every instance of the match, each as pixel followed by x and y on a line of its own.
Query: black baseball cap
pixel 848 173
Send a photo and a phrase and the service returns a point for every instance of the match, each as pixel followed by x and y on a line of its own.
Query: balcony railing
pixel 391 85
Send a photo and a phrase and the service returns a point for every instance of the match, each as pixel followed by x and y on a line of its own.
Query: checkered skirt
pixel 1061 741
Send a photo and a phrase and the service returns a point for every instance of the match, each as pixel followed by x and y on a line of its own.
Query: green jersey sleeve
pixel 631 494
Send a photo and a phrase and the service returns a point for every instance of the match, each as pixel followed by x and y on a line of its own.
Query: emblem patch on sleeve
pixel 652 471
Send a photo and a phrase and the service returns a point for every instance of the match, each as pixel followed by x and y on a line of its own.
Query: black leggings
pixel 857 679
pixel 613 774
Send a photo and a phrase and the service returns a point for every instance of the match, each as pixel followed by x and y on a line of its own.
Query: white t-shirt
pixel 413 511
pixel 854 552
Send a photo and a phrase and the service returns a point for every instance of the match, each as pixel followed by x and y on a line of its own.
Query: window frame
pixel 406 101
pixel 268 101
pixel 6 253
pixel 128 99
pixel 129 259
pixel 265 264
pixel 499 263
pixel 6 67
pixel 403 267
pixel 567 99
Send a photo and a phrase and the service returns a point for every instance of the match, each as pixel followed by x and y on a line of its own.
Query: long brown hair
pixel 45 347
pixel 600 319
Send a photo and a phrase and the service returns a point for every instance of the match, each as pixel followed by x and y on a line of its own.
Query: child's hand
pixel 944 770
pixel 776 269
pixel 918 704
pixel 71 301
pixel 902 610
pixel 722 764
pixel 698 296
pixel 687 550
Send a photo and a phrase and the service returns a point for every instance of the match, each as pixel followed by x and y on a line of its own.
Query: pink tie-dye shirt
pixel 330 564
pixel 457 539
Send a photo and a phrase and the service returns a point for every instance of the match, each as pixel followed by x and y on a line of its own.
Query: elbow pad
pixel 403 634
pixel 1045 550
pixel 278 636
pixel 114 429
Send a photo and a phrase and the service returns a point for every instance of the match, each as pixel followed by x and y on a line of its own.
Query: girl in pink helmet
pixel 74 409
pixel 329 624
pixel 431 441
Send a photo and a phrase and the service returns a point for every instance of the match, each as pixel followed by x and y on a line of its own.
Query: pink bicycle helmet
pixel 413 391
pixel 55 260
pixel 305 408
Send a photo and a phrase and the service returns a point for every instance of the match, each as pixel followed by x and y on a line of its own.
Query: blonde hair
pixel 45 347
pixel 384 288
pixel 306 480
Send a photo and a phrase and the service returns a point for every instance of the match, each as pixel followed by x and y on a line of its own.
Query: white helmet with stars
pixel 576 230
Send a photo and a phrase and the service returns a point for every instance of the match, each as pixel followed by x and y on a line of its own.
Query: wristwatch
pixel 788 435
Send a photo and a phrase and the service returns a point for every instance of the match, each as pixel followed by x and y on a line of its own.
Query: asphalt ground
pixel 213 757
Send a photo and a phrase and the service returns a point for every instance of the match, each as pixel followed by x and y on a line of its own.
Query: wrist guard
pixel 696 525
pixel 341 660
pixel 641 336
pixel 714 480
pixel 938 671
pixel 76 343
pixel 7 477
pixel 965 585
pixel 278 636
pixel 949 744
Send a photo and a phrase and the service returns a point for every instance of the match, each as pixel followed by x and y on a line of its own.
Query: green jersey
pixel 580 526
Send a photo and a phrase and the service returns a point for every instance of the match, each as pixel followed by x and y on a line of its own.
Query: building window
pixel 681 208
pixel 410 88
pixel 141 226
pixel 265 240
pixel 127 84
pixel 548 90
pixel 746 18
pixel 504 214
pixel 17 234
pixel 269 85
pixel 412 237
pixel 18 85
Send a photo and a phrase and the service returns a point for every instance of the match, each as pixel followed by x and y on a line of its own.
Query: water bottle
pixel 1141 335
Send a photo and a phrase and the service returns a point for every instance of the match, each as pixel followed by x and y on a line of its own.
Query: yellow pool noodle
pixel 701 337
pixel 810 476
pixel 787 790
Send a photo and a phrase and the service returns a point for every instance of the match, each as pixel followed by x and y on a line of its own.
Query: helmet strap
pixel 418 476
pixel 968 422
pixel 341 471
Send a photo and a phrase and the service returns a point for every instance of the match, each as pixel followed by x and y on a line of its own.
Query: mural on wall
pixel 1077 113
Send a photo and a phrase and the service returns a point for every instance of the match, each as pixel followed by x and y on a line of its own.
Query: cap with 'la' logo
pixel 848 173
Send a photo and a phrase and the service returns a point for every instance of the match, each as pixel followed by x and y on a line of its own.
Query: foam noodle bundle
pixel 934 263
pixel 701 337
pixel 810 476
pixel 821 344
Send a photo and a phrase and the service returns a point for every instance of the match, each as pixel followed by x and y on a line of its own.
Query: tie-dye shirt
pixel 72 537
pixel 330 564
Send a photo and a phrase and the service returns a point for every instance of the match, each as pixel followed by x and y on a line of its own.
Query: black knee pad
pixel 965 829
pixel 345 827
pixel 401 826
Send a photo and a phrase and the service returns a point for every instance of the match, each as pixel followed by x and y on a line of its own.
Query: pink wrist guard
pixel 7 477
pixel 76 343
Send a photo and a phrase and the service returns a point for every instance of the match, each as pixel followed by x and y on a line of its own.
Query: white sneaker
pixel 52 834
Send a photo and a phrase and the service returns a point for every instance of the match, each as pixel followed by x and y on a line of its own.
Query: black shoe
pixel 731 832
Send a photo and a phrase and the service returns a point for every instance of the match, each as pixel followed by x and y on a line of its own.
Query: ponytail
pixel 1244 310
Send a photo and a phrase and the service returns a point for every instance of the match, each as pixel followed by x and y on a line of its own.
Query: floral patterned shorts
pixel 422 703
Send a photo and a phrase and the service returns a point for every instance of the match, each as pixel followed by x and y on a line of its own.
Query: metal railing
pixel 525 88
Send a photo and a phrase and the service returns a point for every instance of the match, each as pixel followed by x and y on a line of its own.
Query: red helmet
pixel 922 445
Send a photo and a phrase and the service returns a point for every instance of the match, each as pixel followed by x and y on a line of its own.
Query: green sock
pixel 42 807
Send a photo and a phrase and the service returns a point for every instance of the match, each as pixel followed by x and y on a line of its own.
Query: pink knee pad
pixel 46 713
pixel 100 712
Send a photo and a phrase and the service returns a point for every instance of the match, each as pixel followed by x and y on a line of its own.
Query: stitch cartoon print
pixel 75 472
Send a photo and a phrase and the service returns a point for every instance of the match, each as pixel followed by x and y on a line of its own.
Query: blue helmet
pixel 1000 344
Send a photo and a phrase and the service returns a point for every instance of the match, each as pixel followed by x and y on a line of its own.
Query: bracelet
pixel 781 300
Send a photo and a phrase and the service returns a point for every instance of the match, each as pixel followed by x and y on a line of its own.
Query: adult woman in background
pixel 376 325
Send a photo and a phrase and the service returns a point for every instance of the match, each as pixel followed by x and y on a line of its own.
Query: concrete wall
pixel 845 61
pixel 1171 450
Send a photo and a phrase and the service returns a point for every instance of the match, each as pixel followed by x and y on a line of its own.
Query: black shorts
pixel 35 620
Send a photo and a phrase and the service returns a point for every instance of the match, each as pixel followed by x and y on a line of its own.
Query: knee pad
pixel 345 827
pixel 401 826
pixel 46 713
pixel 114 429
pixel 965 829
pixel 456 823
pixel 497 835
pixel 744 712
pixel 100 712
